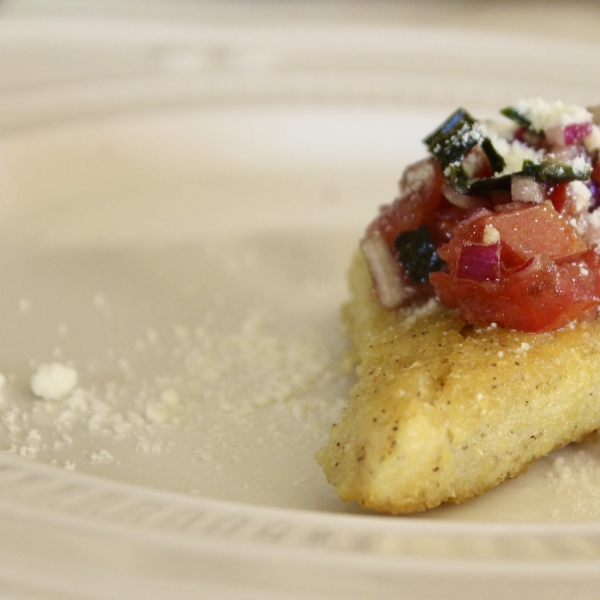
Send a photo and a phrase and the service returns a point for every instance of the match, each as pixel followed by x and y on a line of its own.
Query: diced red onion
pixel 479 262
pixel 385 271
pixel 576 132
pixel 461 200
pixel 566 135
pixel 526 189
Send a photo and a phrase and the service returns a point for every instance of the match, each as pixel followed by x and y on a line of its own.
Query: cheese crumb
pixel 490 235
pixel 513 153
pixel 102 457
pixel 53 381
pixel 581 196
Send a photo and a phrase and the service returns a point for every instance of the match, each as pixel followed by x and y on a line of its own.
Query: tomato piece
pixel 560 198
pixel 524 232
pixel 547 278
pixel 596 172
pixel 543 297
pixel 537 229
pixel 419 201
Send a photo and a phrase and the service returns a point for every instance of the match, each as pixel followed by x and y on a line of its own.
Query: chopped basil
pixel 417 254
pixel 496 159
pixel 457 176
pixel 555 172
pixel 518 117
pixel 491 184
pixel 451 142
pixel 460 132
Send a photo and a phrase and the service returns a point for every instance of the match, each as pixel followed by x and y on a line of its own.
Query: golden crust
pixel 443 411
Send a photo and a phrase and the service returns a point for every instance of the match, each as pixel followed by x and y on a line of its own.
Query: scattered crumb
pixel 233 389
pixel 102 457
pixel 53 381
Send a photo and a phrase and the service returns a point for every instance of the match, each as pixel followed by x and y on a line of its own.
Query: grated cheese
pixel 513 153
pixel 53 381
pixel 545 114
pixel 490 235
pixel 216 380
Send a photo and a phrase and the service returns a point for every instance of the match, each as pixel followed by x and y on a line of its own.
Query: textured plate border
pixel 156 543
pixel 145 65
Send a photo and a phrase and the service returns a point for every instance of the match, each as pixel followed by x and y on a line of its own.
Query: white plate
pixel 178 207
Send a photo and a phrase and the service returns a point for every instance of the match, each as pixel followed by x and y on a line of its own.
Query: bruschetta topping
pixel 502 221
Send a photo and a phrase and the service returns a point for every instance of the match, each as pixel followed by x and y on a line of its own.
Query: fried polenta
pixel 443 411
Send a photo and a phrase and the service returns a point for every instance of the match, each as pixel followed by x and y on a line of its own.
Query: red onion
pixel 576 132
pixel 526 189
pixel 568 134
pixel 479 262
pixel 385 271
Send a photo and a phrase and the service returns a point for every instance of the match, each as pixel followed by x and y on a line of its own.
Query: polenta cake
pixel 473 312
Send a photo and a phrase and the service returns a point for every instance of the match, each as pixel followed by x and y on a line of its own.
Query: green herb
pixel 554 172
pixel 491 184
pixel 451 142
pixel 460 132
pixel 417 254
pixel 458 178
pixel 496 160
pixel 518 117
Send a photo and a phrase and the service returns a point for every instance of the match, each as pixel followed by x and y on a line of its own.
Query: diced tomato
pixel 448 216
pixel 560 198
pixel 542 298
pixel 596 172
pixel 548 277
pixel 524 232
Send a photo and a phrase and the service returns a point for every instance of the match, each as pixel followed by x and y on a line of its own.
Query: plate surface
pixel 178 207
